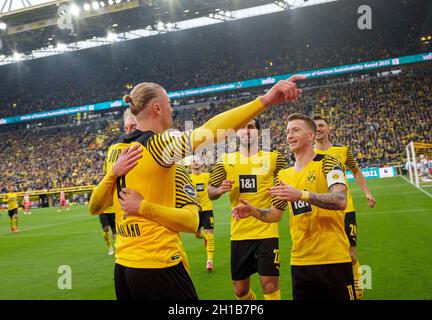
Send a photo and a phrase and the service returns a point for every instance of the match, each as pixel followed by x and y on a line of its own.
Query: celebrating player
pixel 248 174
pixel 160 201
pixel 345 156
pixel 315 189
pixel 12 201
pixel 200 181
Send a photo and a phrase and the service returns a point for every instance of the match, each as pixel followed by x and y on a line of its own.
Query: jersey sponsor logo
pixel 200 187
pixel 189 190
pixel 299 207
pixel 311 177
pixel 248 183
pixel 176 257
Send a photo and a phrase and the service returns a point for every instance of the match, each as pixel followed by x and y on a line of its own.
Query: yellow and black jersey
pixel 200 182
pixel 110 209
pixel 142 243
pixel 318 235
pixel 252 177
pixel 12 200
pixel 346 158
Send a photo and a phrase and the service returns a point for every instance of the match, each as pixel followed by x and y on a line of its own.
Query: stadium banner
pixel 374 173
pixel 64 112
pixel 358 67
pixel 361 66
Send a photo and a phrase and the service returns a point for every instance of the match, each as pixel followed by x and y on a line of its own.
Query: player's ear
pixel 156 108
pixel 311 136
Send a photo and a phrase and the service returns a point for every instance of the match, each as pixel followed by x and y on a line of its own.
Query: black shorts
pixel 173 283
pixel 323 282
pixel 351 228
pixel 206 220
pixel 13 212
pixel 251 256
pixel 108 219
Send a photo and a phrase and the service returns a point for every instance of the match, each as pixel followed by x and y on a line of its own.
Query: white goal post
pixel 419 163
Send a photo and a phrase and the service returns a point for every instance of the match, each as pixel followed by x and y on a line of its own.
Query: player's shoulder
pixel 325 158
pixel 273 153
pixel 136 136
pixel 328 162
pixel 340 148
pixel 285 172
pixel 181 168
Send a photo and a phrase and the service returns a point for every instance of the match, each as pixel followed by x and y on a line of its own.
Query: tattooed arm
pixel 245 210
pixel 336 199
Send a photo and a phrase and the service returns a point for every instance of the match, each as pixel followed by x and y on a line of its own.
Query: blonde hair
pixel 127 114
pixel 141 95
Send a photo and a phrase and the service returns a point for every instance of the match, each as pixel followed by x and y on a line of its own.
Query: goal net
pixel 419 163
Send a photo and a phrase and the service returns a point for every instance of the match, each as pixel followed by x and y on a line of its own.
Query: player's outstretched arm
pixel 167 148
pixel 246 210
pixel 361 181
pixel 185 219
pixel 283 91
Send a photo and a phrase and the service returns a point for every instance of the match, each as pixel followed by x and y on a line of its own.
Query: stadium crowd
pixel 376 117
pixel 227 52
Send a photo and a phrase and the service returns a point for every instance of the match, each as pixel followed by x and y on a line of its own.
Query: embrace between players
pixel 154 199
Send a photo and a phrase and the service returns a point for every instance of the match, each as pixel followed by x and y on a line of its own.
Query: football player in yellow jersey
pixel 200 181
pixel 249 173
pixel 315 189
pixel 153 198
pixel 345 156
pixel 107 218
pixel 12 201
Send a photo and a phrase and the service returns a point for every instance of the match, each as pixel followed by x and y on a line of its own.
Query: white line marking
pixel 420 189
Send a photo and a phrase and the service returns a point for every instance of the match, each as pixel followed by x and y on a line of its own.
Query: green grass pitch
pixel 394 240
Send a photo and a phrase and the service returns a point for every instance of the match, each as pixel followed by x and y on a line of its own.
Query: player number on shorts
pixel 277 256
pixel 353 230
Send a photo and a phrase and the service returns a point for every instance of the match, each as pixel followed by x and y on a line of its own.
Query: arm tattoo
pixel 264 213
pixel 330 201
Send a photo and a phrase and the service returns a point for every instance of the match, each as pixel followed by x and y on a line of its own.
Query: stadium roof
pixel 8 6
pixel 53 27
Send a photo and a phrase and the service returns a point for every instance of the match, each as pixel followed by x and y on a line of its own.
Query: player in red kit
pixel 63 202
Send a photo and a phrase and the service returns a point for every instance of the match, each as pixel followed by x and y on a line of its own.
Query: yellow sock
pixel 107 239
pixel 357 281
pixel 11 222
pixel 273 296
pixel 201 235
pixel 16 223
pixel 249 296
pixel 210 247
